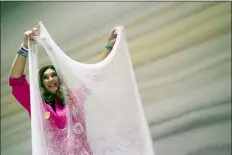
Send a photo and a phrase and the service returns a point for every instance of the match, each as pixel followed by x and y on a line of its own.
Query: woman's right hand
pixel 29 35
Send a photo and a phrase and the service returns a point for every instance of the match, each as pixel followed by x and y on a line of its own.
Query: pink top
pixel 55 128
pixel 21 91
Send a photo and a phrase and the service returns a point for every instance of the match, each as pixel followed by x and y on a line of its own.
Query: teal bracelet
pixel 23 52
pixel 109 47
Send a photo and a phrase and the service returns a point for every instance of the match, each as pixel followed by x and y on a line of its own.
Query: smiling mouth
pixel 52 85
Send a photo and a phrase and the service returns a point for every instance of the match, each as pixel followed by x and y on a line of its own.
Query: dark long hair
pixel 48 97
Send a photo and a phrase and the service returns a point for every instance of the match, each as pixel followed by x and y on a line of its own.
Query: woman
pixel 52 97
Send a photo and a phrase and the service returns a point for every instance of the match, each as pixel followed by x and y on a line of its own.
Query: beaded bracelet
pixel 23 51
pixel 109 47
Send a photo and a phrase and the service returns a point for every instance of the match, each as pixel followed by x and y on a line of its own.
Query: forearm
pixel 105 53
pixel 18 66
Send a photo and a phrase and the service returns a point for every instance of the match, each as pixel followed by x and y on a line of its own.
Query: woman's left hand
pixel 112 38
pixel 111 41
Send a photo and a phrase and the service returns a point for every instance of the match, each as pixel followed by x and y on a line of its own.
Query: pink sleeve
pixel 59 118
pixel 21 91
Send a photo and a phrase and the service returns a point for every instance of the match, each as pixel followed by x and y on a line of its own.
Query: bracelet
pixel 109 47
pixel 23 52
pixel 24 47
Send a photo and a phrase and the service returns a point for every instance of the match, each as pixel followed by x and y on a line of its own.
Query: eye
pixel 54 74
pixel 45 77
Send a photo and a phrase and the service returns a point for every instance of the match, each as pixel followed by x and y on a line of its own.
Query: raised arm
pixel 19 63
pixel 17 80
pixel 110 45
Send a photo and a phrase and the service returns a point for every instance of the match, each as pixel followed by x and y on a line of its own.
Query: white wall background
pixel 181 52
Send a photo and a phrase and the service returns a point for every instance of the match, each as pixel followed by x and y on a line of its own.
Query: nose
pixel 50 78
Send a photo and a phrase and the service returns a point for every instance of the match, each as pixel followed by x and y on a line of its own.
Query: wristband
pixel 24 47
pixel 109 47
pixel 23 51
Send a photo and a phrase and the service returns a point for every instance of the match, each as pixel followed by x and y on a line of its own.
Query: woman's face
pixel 51 81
